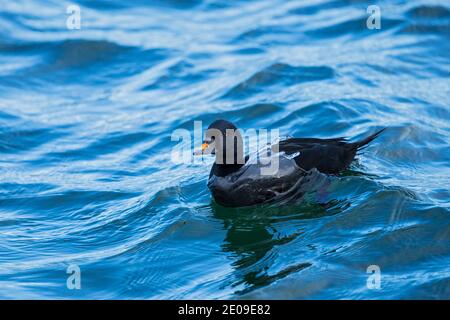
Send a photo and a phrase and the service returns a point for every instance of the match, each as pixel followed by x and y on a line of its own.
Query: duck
pixel 236 180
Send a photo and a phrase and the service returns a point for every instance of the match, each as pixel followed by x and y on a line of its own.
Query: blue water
pixel 86 176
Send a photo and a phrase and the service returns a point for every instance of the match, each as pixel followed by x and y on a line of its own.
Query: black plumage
pixel 329 156
pixel 239 184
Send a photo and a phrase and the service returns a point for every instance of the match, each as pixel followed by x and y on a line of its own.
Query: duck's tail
pixel 359 145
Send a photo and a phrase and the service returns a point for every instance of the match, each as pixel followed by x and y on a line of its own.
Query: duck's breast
pixel 256 182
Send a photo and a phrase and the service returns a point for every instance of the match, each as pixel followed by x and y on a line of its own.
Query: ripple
pixel 424 11
pixel 350 27
pixel 71 59
pixel 114 142
pixel 278 74
pixel 306 117
pixel 237 115
pixel 14 140
pixel 428 20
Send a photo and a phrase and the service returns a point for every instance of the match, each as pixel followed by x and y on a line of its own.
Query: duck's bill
pixel 205 147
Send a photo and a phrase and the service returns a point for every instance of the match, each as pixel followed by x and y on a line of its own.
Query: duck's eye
pixel 209 140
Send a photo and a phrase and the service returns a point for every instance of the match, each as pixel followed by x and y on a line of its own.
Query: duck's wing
pixel 326 155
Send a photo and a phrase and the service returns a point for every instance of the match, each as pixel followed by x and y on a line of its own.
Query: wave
pixel 278 74
pixel 86 175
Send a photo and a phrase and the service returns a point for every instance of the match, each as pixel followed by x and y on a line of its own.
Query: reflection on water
pixel 252 236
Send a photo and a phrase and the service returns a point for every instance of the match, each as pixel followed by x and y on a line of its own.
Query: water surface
pixel 86 176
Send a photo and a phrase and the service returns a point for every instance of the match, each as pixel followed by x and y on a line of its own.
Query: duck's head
pixel 224 140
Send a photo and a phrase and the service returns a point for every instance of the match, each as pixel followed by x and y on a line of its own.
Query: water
pixel 86 176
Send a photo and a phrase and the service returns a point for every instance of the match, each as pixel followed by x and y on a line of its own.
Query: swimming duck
pixel 238 181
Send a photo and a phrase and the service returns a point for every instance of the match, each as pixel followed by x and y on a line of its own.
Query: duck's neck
pixel 222 170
